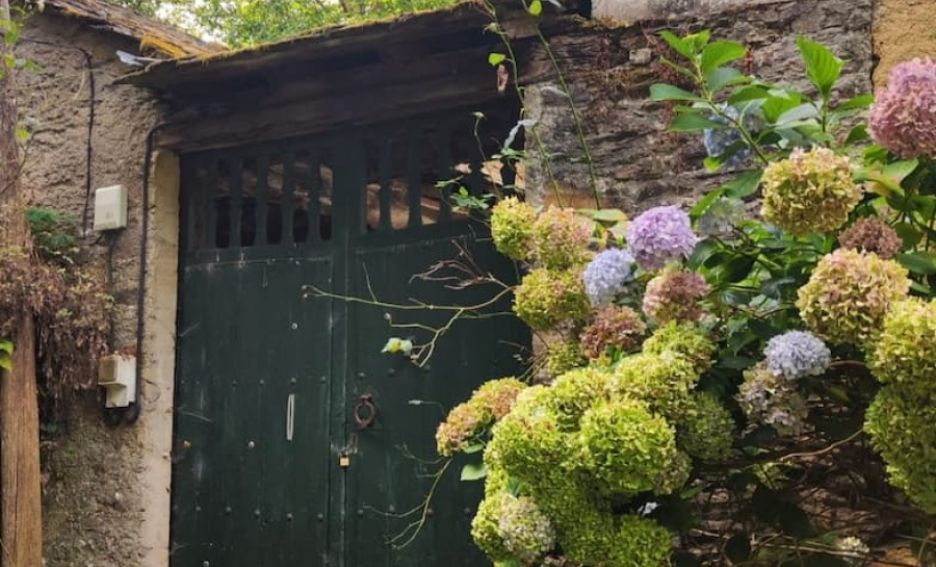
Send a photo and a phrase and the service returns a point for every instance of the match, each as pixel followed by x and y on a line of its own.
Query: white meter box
pixel 110 208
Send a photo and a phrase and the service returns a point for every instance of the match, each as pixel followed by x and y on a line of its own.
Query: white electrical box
pixel 110 208
pixel 117 373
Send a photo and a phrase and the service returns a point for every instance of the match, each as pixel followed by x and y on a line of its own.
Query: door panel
pixel 244 493
pixel 268 380
pixel 388 475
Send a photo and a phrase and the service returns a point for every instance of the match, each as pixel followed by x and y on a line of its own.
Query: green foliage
pixel 6 354
pixel 241 23
pixel 55 234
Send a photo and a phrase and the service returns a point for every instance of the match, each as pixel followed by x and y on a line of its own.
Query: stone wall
pixel 610 69
pixel 97 477
pixel 903 29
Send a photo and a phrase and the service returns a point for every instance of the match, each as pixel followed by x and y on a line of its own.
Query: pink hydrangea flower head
pixel 675 295
pixel 871 234
pixel 661 235
pixel 903 118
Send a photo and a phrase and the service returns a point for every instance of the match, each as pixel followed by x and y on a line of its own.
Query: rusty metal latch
pixel 365 412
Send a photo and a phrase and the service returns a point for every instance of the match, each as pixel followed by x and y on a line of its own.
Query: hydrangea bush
pixel 776 333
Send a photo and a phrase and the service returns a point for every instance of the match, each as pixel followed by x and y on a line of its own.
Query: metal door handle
pixel 365 412
pixel 290 416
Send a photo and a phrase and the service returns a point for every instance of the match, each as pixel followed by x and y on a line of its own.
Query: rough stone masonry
pixel 610 69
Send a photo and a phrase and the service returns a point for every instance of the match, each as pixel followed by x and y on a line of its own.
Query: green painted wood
pixel 388 477
pixel 246 495
pixel 243 493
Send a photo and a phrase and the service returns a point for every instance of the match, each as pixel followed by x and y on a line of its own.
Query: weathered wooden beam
pixel 313 116
pixel 20 488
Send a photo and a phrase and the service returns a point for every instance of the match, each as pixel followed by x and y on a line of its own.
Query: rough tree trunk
pixel 20 489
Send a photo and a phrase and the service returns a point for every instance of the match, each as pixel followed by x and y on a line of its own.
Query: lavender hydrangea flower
pixel 607 275
pixel 717 141
pixel 903 118
pixel 661 235
pixel 796 354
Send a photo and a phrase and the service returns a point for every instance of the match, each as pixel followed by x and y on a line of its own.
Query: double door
pixel 297 441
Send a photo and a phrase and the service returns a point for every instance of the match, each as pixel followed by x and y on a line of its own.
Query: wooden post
pixel 20 488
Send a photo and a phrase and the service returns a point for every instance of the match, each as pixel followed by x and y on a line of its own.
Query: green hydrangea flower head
pixel 527 532
pixel 573 393
pixel 686 340
pixel 676 475
pixel 809 191
pixel 546 298
pixel 848 294
pixel 564 357
pixel 528 442
pixel 485 527
pixel 627 448
pixel 467 421
pixel 585 527
pixel 707 430
pixel 497 480
pixel 903 430
pixel 663 381
pixel 560 238
pixel 512 228
pixel 642 542
pixel 905 351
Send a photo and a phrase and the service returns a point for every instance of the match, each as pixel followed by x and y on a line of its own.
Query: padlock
pixel 344 461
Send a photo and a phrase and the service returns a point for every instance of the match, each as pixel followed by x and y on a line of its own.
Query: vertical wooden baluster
pixel 444 153
pixel 476 178
pixel 315 192
pixel 288 204
pixel 263 172
pixel 386 184
pixel 211 193
pixel 236 187
pixel 190 194
pixel 508 178
pixel 414 181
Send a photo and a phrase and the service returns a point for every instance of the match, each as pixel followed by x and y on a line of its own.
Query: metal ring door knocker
pixel 365 412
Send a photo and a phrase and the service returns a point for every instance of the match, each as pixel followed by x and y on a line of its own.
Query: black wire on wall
pixel 92 115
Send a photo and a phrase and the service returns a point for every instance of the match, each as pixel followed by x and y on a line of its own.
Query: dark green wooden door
pixel 271 468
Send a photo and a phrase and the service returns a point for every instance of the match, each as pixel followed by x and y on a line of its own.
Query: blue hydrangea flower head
pixel 607 275
pixel 718 140
pixel 661 235
pixel 796 354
